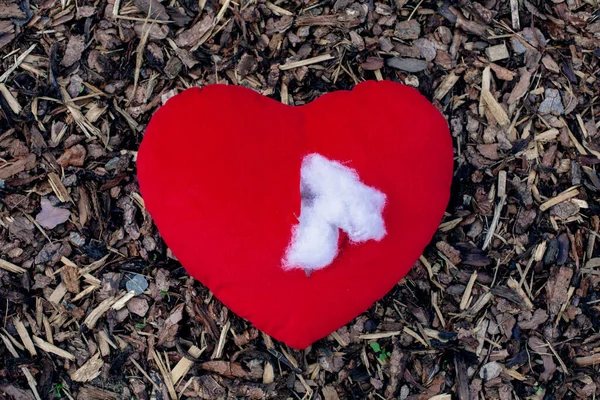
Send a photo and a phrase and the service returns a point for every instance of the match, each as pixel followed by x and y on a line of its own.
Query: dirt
pixel 503 304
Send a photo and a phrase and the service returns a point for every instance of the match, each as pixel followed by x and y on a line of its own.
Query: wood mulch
pixel 504 303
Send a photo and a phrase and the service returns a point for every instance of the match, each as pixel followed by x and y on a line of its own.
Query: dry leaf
pixel 540 347
pixel 72 156
pixel 168 331
pixel 329 393
pixel 489 150
pixel 50 217
pixel 539 317
pixel 192 36
pixel 74 50
pixel 138 306
pixel 558 287
pixel 372 64
pixel 521 88
pixel 550 64
pixel 152 7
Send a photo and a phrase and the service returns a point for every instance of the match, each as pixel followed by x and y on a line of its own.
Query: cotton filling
pixel 332 198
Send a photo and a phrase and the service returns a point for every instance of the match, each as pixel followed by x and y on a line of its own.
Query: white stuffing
pixel 332 198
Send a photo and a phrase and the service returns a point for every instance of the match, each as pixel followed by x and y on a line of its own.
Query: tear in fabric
pixel 333 198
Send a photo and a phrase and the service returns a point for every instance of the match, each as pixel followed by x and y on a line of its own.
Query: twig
pixel 139 367
pixel 375 336
pixel 154 21
pixel 9 346
pixel 494 224
pixel 414 10
pixel 165 373
pixel 31 382
pixel 139 53
pixel 18 62
pixel 308 61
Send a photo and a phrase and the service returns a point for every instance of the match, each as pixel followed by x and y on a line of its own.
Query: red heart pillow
pixel 219 169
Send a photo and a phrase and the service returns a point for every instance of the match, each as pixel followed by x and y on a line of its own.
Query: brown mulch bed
pixel 504 303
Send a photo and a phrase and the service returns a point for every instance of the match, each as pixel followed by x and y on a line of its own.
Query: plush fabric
pixel 219 169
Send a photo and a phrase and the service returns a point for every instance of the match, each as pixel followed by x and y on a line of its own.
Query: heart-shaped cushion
pixel 219 170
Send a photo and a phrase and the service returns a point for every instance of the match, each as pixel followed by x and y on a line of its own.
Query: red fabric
pixel 219 170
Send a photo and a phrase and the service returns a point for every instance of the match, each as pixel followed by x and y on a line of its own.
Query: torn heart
pixel 228 177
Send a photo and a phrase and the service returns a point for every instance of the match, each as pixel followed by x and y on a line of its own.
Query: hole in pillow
pixel 332 199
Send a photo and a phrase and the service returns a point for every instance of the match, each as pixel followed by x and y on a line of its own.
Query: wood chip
pixel 50 348
pixel 59 189
pixel 481 302
pixel 467 294
pixel 501 184
pixel 498 52
pixel 184 365
pixel 449 225
pixel 503 73
pixel 10 99
pixel 441 397
pixel 407 64
pixel 70 276
pixel 436 307
pixel 24 335
pixel 18 165
pixel 447 84
pixel 338 338
pixel 105 343
pixel 268 373
pixel 218 352
pixel 514 15
pixel 90 370
pixel 329 393
pixel 143 371
pixel 31 382
pixel 85 292
pixel 547 136
pixel 416 336
pixel 278 10
pixel 593 360
pixel 566 195
pixel 514 285
pixel 497 111
pixel 9 346
pixel 58 293
pixel 10 267
pixel 93 317
pixel 123 300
